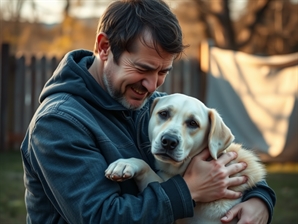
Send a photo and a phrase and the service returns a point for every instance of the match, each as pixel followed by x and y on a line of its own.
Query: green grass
pixel 285 186
pixel 12 206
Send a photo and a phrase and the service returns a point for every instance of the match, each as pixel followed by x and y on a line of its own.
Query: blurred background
pixel 264 27
pixel 242 60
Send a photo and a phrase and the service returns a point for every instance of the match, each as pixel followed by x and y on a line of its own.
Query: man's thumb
pixel 205 154
pixel 231 214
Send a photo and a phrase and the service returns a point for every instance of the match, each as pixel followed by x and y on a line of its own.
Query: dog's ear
pixel 220 136
pixel 153 104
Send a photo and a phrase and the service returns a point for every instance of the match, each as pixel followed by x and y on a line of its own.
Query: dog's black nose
pixel 169 142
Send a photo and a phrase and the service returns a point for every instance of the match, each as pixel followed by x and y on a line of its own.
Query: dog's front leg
pixel 124 169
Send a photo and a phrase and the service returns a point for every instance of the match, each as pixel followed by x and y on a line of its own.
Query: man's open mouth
pixel 138 91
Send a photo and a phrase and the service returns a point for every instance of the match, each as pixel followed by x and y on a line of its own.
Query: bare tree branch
pixel 251 19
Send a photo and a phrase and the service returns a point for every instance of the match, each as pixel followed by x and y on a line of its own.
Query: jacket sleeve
pixel 264 192
pixel 71 170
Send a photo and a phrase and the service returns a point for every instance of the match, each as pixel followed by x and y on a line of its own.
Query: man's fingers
pixel 225 158
pixel 235 181
pixel 231 214
pixel 232 194
pixel 236 168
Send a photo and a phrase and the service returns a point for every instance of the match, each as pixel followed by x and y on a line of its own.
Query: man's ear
pixel 103 46
pixel 220 136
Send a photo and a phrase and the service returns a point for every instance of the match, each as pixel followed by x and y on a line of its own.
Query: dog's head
pixel 182 126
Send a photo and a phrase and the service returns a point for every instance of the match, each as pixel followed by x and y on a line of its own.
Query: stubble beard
pixel 118 95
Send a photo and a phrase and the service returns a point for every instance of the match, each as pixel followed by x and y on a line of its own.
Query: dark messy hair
pixel 125 21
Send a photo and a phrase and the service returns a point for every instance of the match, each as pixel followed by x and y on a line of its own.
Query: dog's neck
pixel 168 170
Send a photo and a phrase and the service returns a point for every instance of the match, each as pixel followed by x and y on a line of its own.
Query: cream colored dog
pixel 180 127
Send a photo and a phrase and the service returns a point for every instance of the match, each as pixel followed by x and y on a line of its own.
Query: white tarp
pixel 255 96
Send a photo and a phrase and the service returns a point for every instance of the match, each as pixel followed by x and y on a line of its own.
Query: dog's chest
pixel 210 213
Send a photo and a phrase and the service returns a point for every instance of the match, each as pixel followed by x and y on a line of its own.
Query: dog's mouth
pixel 166 157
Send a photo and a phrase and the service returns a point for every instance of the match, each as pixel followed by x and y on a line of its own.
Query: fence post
pixel 204 63
pixel 19 101
pixel 43 64
pixel 3 96
pixel 33 84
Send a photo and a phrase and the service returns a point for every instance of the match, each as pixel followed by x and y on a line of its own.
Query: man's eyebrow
pixel 167 69
pixel 150 68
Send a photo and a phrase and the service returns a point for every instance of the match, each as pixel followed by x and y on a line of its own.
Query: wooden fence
pixel 23 77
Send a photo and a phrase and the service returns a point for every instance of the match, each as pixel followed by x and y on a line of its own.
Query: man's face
pixel 137 75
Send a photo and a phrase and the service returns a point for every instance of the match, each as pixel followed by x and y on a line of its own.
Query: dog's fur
pixel 180 127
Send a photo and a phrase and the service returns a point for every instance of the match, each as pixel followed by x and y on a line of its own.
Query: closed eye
pixel 141 71
pixel 164 72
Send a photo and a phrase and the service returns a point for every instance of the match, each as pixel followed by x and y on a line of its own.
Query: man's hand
pixel 252 211
pixel 209 180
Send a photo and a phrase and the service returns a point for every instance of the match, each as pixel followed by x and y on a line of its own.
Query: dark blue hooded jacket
pixel 76 132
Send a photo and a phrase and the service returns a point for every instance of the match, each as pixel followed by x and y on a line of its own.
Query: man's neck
pixel 96 70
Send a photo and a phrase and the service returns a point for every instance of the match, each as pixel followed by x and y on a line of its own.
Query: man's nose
pixel 151 82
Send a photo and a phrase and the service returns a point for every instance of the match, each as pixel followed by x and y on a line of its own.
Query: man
pixel 95 110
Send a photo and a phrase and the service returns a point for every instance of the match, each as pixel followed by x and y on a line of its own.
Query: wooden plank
pixel 39 73
pixel 33 84
pixel 44 69
pixel 16 134
pixel 186 77
pixel 195 79
pixel 19 96
pixel 54 64
pixel 11 79
pixel 204 60
pixel 176 77
pixel 28 92
pixel 3 94
pixel 167 86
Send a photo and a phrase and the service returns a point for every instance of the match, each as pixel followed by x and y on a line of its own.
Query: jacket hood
pixel 72 77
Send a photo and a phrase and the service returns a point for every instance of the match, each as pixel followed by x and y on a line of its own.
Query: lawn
pixel 12 207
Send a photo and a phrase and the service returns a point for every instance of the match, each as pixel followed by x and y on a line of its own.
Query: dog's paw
pixel 122 169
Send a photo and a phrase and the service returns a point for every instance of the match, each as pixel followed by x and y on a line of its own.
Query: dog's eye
pixel 163 114
pixel 192 124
